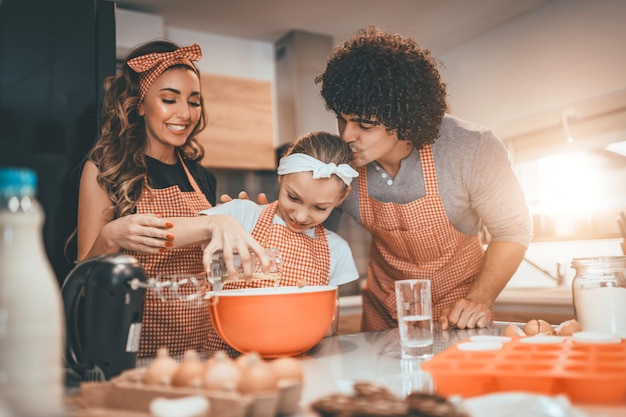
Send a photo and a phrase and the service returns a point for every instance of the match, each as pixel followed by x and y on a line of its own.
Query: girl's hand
pixel 228 235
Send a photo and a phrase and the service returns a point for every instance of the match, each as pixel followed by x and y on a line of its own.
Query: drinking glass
pixel 218 274
pixel 415 318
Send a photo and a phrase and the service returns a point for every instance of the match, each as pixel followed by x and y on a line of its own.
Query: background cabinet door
pixel 239 132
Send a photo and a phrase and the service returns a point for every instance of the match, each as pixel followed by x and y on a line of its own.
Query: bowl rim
pixel 271 291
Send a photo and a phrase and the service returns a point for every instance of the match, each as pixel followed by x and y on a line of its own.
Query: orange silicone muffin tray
pixel 585 372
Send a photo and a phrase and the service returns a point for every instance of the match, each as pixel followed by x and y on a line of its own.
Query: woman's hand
pixel 146 233
pixel 98 233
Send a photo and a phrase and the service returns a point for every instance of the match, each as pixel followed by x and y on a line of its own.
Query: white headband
pixel 300 162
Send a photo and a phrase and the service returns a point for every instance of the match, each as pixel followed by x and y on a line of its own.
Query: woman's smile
pixel 176 127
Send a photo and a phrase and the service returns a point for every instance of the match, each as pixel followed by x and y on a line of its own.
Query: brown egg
pixel 189 372
pixel 161 370
pixel 568 328
pixel 534 327
pixel 287 369
pixel 513 331
pixel 257 376
pixel 242 360
pixel 222 374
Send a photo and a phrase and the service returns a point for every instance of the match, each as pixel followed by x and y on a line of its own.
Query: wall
pixel 223 55
pixel 532 70
pixel 565 52
pixel 54 57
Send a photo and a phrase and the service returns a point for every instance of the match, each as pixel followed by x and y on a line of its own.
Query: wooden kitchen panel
pixel 239 132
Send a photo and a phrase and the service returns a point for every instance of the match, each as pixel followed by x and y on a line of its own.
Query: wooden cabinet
pixel 239 132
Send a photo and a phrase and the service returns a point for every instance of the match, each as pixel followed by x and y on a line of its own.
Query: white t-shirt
pixel 342 266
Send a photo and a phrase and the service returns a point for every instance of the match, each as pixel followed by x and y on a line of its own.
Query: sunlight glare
pixel 569 183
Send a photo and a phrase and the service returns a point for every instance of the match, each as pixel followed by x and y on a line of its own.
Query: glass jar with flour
pixel 599 292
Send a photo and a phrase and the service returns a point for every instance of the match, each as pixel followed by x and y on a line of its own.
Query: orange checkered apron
pixel 303 257
pixel 178 325
pixel 414 240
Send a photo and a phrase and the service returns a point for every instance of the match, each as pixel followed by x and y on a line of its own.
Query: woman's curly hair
pixel 386 76
pixel 119 151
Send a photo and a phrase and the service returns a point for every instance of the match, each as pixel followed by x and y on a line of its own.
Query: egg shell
pixel 568 328
pixel 513 331
pixel 534 327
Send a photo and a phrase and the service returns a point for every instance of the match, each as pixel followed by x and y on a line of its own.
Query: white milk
pixel 31 317
pixel 601 309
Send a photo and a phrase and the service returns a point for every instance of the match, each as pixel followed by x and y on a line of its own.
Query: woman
pixel 143 169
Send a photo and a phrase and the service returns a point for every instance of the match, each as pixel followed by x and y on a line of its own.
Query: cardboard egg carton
pixel 127 393
pixel 585 372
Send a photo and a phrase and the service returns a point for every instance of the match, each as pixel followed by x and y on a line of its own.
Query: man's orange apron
pixel 178 325
pixel 303 257
pixel 414 240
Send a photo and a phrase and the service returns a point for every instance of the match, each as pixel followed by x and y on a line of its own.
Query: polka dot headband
pixel 150 66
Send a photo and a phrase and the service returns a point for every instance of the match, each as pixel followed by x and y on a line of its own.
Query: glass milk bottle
pixel 599 290
pixel 31 316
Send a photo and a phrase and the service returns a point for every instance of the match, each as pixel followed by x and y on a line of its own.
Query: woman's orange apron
pixel 414 240
pixel 303 257
pixel 178 325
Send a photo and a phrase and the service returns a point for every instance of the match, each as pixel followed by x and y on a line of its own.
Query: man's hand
pixel 261 198
pixel 465 314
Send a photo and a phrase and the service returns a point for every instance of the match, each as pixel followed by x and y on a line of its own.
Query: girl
pixel 314 177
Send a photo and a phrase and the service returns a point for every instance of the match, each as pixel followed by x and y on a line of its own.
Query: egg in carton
pixel 246 387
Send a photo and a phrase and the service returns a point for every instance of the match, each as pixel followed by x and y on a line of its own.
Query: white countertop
pixel 338 361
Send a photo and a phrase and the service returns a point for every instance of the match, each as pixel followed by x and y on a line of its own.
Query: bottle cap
pixel 22 180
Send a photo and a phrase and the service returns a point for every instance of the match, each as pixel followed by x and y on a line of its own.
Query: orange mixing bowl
pixel 274 322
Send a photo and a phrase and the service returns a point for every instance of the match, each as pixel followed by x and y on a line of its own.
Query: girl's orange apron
pixel 303 257
pixel 178 325
pixel 414 240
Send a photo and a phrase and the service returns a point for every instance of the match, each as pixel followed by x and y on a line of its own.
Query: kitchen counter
pixel 338 361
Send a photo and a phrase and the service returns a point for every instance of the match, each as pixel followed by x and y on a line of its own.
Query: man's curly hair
pixel 386 76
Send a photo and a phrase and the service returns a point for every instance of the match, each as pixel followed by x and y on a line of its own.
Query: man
pixel 428 182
